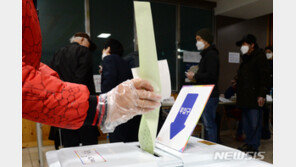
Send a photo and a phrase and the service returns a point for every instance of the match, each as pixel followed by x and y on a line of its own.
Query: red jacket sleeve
pixel 45 98
pixel 44 68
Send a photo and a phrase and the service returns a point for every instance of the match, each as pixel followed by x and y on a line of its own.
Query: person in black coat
pixel 252 87
pixel 116 70
pixel 266 134
pixel 208 73
pixel 73 63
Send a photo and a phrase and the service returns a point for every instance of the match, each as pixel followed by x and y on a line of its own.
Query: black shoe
pixel 244 147
pixel 252 151
pixel 248 149
pixel 265 135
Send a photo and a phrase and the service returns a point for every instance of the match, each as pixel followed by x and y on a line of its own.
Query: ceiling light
pixel 104 35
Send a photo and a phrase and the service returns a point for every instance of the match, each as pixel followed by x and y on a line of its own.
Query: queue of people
pixel 252 83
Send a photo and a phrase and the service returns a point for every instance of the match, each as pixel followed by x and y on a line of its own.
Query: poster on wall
pixel 191 57
pixel 233 57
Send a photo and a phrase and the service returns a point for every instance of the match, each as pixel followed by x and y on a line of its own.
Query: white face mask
pixel 244 49
pixel 268 55
pixel 200 45
pixel 104 55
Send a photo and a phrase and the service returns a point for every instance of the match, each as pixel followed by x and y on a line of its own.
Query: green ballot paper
pixel 148 70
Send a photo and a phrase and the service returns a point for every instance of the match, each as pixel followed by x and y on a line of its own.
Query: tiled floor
pixel 30 155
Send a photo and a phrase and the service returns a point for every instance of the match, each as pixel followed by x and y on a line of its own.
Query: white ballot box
pixel 173 148
pixel 198 153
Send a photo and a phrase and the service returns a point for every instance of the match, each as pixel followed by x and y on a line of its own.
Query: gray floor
pixel 30 155
pixel 227 138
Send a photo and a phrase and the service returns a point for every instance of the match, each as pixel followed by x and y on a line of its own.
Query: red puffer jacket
pixel 45 98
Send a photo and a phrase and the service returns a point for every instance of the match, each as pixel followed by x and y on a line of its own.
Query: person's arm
pixel 210 75
pixel 48 70
pixel 262 65
pixel 47 99
pixel 229 92
pixel 109 74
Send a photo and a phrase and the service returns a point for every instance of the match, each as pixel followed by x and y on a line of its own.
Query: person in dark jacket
pixel 207 74
pixel 266 111
pixel 252 83
pixel 73 63
pixel 269 56
pixel 116 70
pixel 234 111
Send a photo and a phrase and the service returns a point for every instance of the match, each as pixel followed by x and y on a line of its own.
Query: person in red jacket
pixel 49 100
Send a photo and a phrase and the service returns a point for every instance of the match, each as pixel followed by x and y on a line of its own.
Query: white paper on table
pixel 185 113
pixel 165 78
pixel 97 81
pixel 223 99
pixel 191 57
pixel 89 156
pixel 233 57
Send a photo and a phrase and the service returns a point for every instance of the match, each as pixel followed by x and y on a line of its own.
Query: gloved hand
pixel 130 98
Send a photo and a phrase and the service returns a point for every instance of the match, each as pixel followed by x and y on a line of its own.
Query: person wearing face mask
pixel 252 87
pixel 73 64
pixel 207 74
pixel 266 134
pixel 116 70
pixel 269 56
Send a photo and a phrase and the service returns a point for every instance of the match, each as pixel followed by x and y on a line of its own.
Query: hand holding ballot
pixel 190 75
pixel 130 98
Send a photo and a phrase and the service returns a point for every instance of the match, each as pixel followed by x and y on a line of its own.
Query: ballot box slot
pixel 155 154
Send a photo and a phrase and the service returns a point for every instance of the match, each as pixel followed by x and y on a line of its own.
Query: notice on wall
pixel 233 57
pixel 191 57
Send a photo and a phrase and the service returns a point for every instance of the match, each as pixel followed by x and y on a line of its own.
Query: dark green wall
pixel 115 17
pixel 59 20
pixel 164 21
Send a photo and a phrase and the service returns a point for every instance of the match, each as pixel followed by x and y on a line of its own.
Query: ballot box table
pixel 198 153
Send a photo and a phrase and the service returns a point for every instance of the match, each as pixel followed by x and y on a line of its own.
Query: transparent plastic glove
pixel 130 98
